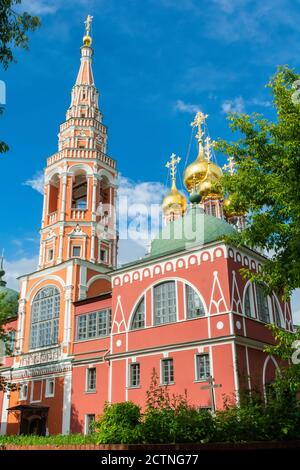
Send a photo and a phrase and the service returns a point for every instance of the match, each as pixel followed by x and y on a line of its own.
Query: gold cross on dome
pixel 88 24
pixel 198 121
pixel 209 144
pixel 230 166
pixel 172 165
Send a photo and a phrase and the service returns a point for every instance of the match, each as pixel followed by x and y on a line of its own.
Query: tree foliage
pixel 7 306
pixel 266 183
pixel 14 29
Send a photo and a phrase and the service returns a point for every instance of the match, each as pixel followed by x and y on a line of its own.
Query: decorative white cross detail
pixel 230 166
pixel 172 165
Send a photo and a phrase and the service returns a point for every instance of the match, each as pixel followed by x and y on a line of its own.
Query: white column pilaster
pixel 66 411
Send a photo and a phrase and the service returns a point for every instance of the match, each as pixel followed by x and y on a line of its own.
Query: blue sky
pixel 155 63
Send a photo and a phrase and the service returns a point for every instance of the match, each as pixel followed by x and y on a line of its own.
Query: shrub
pixel 119 424
pixel 171 419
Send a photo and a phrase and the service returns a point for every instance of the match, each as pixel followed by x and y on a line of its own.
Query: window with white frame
pixel 165 303
pixel 262 304
pixel 23 392
pixel 138 319
pixel 45 318
pixel 167 371
pixel 93 325
pixel 134 375
pixel 50 387
pixel 89 421
pixel 249 309
pixel 202 367
pixel 103 255
pixel 277 314
pixel 50 254
pixel 194 305
pixel 11 340
pixel 76 251
pixel 91 379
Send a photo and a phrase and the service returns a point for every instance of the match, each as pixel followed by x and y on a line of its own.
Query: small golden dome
pixel 87 40
pixel 174 202
pixel 195 172
pixel 229 210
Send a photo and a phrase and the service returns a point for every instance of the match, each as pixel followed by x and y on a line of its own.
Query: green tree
pixel 266 183
pixel 13 34
pixel 287 349
pixel 8 307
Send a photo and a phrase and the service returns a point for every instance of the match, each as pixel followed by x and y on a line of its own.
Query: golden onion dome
pixel 87 40
pixel 196 171
pixel 174 202
pixel 211 186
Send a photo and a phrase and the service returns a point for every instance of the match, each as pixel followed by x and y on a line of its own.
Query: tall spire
pixel 84 97
pixel 2 272
pixel 80 178
pixel 85 74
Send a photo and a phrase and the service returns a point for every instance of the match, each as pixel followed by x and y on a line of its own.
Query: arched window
pixel 278 319
pixel 262 304
pixel 194 305
pixel 79 191
pixel 249 310
pixel 53 194
pixel 165 303
pixel 44 318
pixel 105 189
pixel 138 320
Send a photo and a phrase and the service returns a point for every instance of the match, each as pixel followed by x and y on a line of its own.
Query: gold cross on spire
pixel 198 121
pixel 230 166
pixel 209 144
pixel 172 165
pixel 88 24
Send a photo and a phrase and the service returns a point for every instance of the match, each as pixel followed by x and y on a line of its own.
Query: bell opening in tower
pixel 79 191
pixel 54 194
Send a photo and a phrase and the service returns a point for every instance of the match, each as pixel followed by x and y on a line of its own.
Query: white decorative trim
pixel 66 422
pixel 41 281
pixel 216 282
pixel 95 278
pixel 4 416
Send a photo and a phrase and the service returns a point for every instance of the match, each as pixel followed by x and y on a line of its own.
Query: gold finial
pixel 209 145
pixel 198 121
pixel 87 40
pixel 172 165
pixel 230 166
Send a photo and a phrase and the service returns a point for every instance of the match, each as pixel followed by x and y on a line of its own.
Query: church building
pixel 88 331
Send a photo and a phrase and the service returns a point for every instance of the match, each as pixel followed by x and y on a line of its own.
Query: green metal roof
pixel 195 228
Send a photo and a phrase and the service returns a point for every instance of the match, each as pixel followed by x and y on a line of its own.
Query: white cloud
pixel 37 182
pixel 14 269
pixel 40 7
pixel 261 103
pixel 141 192
pixel 139 216
pixel 186 107
pixel 236 105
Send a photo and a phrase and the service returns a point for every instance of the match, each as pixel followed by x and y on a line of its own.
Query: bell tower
pixel 80 180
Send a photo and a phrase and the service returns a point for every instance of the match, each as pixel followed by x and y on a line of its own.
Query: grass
pixel 56 440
